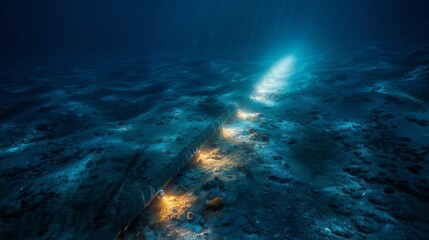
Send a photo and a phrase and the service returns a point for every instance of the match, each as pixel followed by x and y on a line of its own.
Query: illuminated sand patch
pixel 213 161
pixel 228 132
pixel 235 134
pixel 247 116
pixel 175 206
pixel 273 81
pixel 242 132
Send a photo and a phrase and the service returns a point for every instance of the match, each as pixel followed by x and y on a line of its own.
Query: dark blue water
pixel 204 26
pixel 99 98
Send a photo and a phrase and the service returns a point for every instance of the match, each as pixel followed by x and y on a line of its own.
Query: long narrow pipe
pixel 124 216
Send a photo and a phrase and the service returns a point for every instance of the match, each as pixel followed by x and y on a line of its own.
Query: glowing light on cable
pixel 228 132
pixel 215 161
pixel 247 116
pixel 160 194
pixel 274 80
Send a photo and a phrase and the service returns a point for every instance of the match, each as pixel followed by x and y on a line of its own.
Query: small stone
pixel 190 216
pixel 278 179
pixel 214 204
pixel 325 231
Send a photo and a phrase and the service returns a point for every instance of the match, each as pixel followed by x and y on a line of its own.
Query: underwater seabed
pixel 324 146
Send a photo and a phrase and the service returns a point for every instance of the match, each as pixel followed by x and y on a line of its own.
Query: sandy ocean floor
pixel 324 146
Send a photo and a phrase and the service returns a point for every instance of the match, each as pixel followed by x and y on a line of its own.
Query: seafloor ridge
pixel 325 146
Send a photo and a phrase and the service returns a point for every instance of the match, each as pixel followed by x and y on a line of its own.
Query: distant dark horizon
pixel 45 27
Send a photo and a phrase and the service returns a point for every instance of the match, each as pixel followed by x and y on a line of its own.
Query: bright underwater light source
pixel 161 194
pixel 246 116
pixel 228 132
pixel 274 80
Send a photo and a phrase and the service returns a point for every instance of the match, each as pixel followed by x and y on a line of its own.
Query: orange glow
pixel 175 206
pixel 214 161
pixel 228 132
pixel 247 116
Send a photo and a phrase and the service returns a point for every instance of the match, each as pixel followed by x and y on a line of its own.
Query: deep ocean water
pixel 327 143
